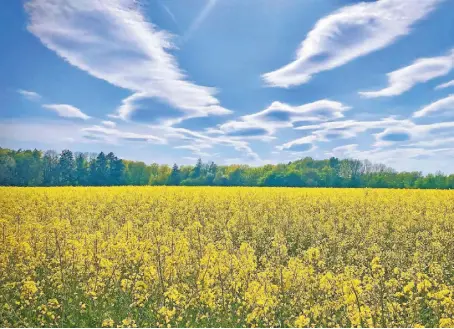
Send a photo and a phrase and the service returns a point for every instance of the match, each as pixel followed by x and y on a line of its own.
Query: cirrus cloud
pixel 445 85
pixel 30 95
pixel 422 70
pixel 281 115
pixel 349 33
pixel 111 40
pixel 440 106
pixel 67 111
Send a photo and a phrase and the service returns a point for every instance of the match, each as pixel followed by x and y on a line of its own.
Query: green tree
pixel 196 172
pixel 50 168
pixel 7 167
pixel 81 173
pixel 101 170
pixel 174 178
pixel 116 170
pixel 66 168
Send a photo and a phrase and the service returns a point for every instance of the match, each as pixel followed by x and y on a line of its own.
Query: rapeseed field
pixel 229 257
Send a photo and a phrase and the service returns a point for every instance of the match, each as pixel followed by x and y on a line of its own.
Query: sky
pixel 231 81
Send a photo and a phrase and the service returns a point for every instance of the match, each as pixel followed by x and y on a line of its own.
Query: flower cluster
pixel 226 257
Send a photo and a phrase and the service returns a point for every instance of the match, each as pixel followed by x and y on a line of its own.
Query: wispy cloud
pixel 349 33
pixel 114 135
pixel 54 133
pixel 197 141
pixel 210 4
pixel 445 85
pixel 422 70
pixel 112 40
pixel 168 11
pixel 30 95
pixel 280 115
pixel 393 135
pixel 392 132
pixel 440 106
pixel 66 111
pixel 388 156
pixel 109 124
pixel 447 141
pixel 303 144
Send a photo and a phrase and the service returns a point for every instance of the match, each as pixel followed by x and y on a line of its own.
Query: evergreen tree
pixel 92 173
pixel 50 168
pixel 116 169
pixel 174 178
pixel 101 177
pixel 66 166
pixel 81 175
pixel 197 169
pixel 7 168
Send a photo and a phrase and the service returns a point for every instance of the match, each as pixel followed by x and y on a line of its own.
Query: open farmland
pixel 232 257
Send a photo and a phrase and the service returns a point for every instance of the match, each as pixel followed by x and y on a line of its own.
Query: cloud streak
pixel 445 85
pixel 67 111
pixel 349 33
pixel 202 16
pixel 440 106
pixel 388 156
pixel 114 135
pixel 30 95
pixel 422 70
pixel 109 124
pixel 111 40
pixel 392 132
pixel 280 115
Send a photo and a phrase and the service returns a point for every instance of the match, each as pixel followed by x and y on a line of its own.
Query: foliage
pixel 32 168
pixel 229 257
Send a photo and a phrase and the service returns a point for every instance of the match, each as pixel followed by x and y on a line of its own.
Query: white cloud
pixel 49 132
pixel 434 142
pixel 304 144
pixel 445 85
pixel 333 130
pixel 112 40
pixel 202 16
pixel 392 132
pixel 400 156
pixel 391 136
pixel 442 105
pixel 109 124
pixel 280 115
pixel 114 135
pixel 30 95
pixel 198 141
pixel 198 149
pixel 168 11
pixel 422 70
pixel 66 111
pixel 57 133
pixel 349 33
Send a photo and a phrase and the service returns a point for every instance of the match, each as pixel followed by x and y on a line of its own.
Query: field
pixel 232 257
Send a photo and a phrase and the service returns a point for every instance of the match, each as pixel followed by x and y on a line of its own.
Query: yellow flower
pixel 424 285
pixel 129 323
pixel 53 303
pixel 28 289
pixel 446 323
pixel 409 287
pixel 108 323
pixel 302 321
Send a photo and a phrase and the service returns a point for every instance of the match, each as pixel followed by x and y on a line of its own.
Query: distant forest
pixel 37 168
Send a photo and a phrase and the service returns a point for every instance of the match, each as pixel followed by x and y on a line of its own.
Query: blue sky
pixel 233 81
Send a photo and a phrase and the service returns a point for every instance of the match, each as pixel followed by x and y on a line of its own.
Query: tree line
pixel 37 168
